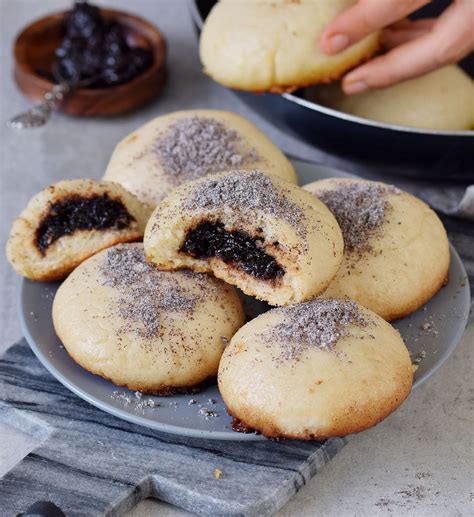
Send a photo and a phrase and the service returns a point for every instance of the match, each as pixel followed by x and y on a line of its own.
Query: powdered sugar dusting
pixel 195 146
pixel 319 323
pixel 249 190
pixel 360 210
pixel 141 404
pixel 145 292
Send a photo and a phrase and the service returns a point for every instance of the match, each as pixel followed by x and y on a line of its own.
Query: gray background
pixel 417 462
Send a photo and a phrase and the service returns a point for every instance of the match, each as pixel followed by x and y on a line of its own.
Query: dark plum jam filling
pixel 73 213
pixel 96 49
pixel 235 248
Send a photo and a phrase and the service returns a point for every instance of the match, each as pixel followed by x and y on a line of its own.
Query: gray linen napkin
pixel 457 201
pixel 453 198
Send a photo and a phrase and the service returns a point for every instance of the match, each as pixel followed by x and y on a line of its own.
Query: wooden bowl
pixel 34 52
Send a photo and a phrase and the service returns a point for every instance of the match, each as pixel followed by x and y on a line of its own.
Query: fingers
pixel 450 39
pixel 407 23
pixel 392 39
pixel 365 17
pixel 400 33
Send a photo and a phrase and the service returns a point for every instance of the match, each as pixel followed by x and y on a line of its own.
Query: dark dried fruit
pixel 73 213
pixel 235 248
pixel 96 49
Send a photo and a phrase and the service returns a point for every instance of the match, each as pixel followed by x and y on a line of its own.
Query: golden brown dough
pixel 315 370
pixel 185 145
pixel 396 251
pixel 270 238
pixel 121 318
pixel 273 45
pixel 68 222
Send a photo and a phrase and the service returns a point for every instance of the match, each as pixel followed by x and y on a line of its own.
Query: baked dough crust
pixel 408 263
pixel 322 393
pixel 135 165
pixel 309 249
pixel 184 353
pixel 442 100
pixel 272 45
pixel 67 252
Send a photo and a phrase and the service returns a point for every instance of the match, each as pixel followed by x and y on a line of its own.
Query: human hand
pixel 416 47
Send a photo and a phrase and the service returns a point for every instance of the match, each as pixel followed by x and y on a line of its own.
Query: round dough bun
pixel 272 45
pixel 158 332
pixel 298 388
pixel 63 254
pixel 138 165
pixel 297 234
pixel 443 100
pixel 408 259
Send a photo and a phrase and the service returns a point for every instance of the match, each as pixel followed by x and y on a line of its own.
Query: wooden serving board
pixel 92 463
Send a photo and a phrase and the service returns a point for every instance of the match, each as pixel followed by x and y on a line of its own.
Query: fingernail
pixel 338 42
pixel 355 87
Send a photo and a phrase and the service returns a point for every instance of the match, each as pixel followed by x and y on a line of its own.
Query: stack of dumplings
pixel 217 208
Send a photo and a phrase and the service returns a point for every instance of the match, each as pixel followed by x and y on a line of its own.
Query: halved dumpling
pixel 159 332
pixel 68 222
pixel 267 236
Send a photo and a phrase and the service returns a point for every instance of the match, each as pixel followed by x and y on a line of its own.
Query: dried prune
pixel 95 49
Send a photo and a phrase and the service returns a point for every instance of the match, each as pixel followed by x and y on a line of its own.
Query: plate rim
pixel 117 412
pixel 221 435
pixel 464 320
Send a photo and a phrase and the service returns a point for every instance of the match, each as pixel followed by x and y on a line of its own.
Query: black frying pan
pixel 396 149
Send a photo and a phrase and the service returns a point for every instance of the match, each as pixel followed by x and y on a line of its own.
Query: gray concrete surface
pixel 417 462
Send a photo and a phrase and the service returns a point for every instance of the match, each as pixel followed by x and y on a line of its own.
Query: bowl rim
pixel 314 106
pixel 158 48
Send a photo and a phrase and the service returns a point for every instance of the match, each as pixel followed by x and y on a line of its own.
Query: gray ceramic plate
pixel 444 319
